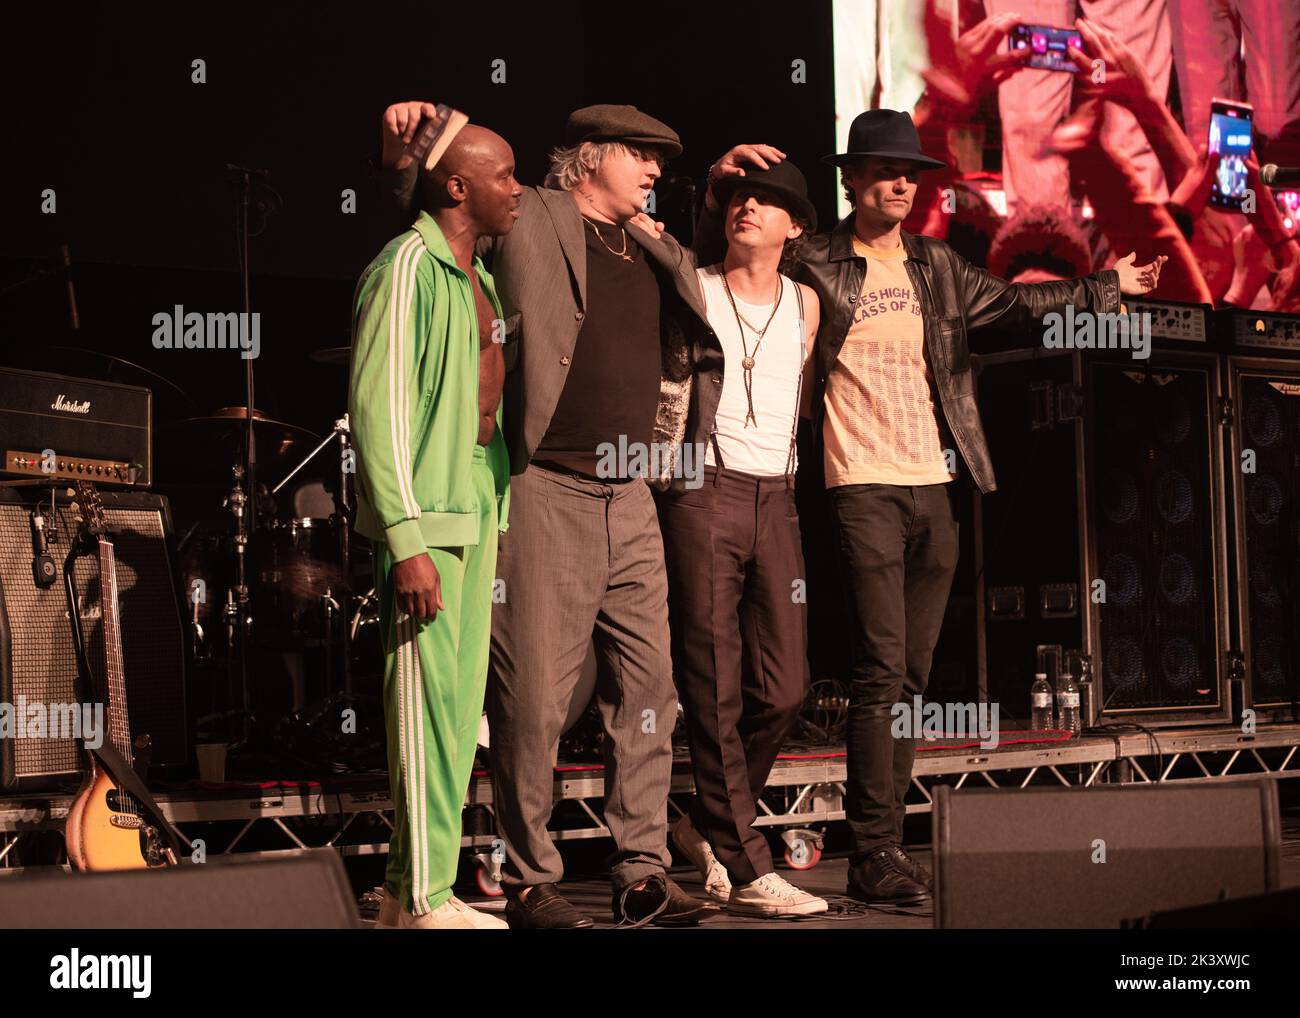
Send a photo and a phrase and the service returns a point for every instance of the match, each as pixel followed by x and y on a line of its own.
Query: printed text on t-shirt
pixel 884 300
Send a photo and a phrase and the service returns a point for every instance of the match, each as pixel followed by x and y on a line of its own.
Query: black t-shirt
pixel 612 391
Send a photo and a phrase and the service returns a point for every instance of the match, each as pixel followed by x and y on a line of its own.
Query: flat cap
pixel 607 122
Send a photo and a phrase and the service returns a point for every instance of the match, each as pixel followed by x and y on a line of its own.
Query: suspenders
pixel 798 395
pixel 798 389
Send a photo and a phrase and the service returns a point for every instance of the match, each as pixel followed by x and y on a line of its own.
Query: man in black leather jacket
pixel 894 406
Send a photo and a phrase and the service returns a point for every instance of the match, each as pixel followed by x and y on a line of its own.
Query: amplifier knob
pixel 99 469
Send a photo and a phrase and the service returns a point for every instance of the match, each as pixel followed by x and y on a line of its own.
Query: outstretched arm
pixel 992 301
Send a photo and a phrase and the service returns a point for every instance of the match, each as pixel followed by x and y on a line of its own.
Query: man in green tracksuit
pixel 433 478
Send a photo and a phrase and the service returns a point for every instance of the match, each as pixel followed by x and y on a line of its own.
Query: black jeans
pixel 900 551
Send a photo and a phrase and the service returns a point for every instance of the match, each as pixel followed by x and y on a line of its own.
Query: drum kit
pixel 268 580
pixel 306 595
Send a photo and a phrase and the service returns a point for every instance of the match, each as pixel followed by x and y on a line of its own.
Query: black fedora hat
pixel 783 179
pixel 887 133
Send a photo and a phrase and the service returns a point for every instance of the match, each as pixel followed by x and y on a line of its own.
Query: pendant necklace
pixel 622 254
pixel 747 362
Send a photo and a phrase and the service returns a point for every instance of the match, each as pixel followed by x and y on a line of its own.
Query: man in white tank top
pixel 733 549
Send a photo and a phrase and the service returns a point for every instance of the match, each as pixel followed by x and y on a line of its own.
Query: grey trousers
pixel 582 561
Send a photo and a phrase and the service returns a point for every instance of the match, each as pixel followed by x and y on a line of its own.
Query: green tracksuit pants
pixel 434 679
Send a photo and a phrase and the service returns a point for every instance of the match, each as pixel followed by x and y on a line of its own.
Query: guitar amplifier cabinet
pixel 37 661
pixel 1154 438
pixel 1265 474
pixel 61 427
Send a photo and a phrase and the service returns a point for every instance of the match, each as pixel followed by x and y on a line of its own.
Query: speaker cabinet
pixel 1157 537
pixel 1054 858
pixel 307 891
pixel 1029 535
pixel 36 655
pixel 1265 482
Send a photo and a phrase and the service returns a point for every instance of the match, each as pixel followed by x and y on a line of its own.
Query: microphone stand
pixel 244 495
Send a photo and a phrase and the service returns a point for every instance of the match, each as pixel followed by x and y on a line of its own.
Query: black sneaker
pixel 880 880
pixel 660 902
pixel 912 868
pixel 544 908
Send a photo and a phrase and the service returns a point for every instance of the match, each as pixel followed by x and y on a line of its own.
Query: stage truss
pixel 804 794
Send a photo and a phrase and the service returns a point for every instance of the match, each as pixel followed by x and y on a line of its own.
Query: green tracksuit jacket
pixel 413 397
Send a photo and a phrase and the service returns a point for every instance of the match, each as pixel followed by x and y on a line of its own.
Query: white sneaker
pixel 772 895
pixel 692 844
pixel 389 911
pixel 480 920
pixel 452 914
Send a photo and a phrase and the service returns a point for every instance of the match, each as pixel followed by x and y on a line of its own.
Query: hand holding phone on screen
pixel 1049 46
pixel 1124 79
pixel 977 65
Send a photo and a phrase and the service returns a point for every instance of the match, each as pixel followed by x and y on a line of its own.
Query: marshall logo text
pixel 67 406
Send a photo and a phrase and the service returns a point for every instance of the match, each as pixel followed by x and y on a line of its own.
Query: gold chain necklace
pixel 622 254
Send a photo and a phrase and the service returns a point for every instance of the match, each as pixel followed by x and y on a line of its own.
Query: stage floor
pixel 827 879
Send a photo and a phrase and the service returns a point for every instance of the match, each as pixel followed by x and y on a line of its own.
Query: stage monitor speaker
pixel 1157 537
pixel 1277 911
pixel 1054 858
pixel 36 655
pixel 307 891
pixel 1265 471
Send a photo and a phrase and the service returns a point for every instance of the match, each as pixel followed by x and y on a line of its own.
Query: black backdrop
pixel 99 105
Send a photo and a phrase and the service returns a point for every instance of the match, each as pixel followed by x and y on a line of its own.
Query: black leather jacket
pixel 960 303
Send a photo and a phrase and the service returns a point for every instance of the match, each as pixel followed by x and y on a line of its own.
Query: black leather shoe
pixel 660 902
pixel 543 908
pixel 880 880
pixel 912 868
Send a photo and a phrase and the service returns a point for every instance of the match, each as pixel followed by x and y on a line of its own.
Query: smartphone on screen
pixel 1230 137
pixel 1288 203
pixel 1050 46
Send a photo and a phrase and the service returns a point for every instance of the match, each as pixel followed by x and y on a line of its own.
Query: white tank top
pixel 762 448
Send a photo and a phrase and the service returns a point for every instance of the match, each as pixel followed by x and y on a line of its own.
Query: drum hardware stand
pixel 342 504
pixel 235 609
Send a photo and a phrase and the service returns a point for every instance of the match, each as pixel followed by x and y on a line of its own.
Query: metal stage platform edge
pixel 804 794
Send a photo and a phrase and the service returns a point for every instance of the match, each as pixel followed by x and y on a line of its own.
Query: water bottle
pixel 1067 704
pixel 1040 704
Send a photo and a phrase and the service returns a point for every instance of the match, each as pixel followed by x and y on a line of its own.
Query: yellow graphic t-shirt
pixel 880 424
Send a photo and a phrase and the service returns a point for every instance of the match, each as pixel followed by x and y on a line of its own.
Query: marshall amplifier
pixel 56 427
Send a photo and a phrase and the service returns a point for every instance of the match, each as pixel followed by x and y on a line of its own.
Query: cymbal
pixel 210 444
pixel 333 355
pixel 234 416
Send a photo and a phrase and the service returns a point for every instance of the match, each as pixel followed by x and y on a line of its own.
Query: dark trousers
pixel 736 580
pixel 899 547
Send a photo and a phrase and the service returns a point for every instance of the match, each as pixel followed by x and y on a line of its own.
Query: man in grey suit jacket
pixel 605 326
